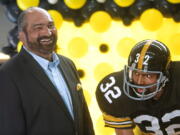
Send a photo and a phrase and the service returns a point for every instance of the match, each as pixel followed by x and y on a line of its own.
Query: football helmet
pixel 151 57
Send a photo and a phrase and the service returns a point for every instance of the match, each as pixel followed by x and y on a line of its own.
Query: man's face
pixel 40 34
pixel 144 79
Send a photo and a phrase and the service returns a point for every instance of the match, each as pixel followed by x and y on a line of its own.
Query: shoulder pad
pixel 111 98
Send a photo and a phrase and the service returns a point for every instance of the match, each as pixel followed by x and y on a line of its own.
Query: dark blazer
pixel 31 105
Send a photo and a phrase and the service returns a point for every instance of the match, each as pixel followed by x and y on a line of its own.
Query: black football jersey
pixel 160 117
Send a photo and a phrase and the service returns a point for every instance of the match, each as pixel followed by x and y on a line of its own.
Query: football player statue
pixel 146 93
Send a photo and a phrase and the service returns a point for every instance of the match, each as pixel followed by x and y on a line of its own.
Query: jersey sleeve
pixel 115 106
pixel 115 122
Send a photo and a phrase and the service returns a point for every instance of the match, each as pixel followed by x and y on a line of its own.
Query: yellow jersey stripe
pixel 115 119
pixel 119 126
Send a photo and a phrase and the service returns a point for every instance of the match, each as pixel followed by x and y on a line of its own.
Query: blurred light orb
pixel 100 21
pixel 75 4
pixel 24 4
pixel 124 3
pixel 124 46
pixel 101 1
pixel 174 1
pixel 57 17
pixel 101 70
pixel 78 47
pixel 151 19
pixel 52 2
pixel 168 25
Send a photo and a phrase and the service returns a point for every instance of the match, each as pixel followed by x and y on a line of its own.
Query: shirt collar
pixel 44 63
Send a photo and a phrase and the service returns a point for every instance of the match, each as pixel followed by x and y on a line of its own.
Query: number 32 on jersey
pixel 155 126
pixel 110 90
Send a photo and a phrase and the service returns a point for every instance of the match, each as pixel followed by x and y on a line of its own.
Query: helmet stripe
pixel 142 54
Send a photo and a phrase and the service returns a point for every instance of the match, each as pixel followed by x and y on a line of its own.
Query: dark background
pixel 5 27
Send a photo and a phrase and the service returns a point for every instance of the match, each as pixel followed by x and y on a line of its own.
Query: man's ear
pixel 22 37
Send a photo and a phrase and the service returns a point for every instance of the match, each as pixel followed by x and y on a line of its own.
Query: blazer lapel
pixel 41 76
pixel 71 85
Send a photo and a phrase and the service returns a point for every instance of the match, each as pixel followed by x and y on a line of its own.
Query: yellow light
pixel 124 3
pixel 75 4
pixel 100 21
pixel 151 19
pixel 168 28
pixel 125 44
pixel 57 17
pixel 101 70
pixel 78 47
pixel 174 1
pixel 24 4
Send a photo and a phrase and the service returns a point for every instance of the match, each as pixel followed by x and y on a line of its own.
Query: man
pixel 40 91
pixel 145 94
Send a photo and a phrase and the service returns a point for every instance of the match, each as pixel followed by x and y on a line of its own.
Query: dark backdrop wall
pixel 5 26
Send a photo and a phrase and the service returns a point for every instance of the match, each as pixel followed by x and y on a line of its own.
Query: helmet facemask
pixel 131 89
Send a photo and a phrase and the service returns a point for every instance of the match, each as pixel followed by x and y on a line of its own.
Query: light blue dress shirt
pixel 52 71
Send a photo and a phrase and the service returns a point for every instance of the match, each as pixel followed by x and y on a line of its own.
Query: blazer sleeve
pixel 11 114
pixel 87 123
pixel 88 126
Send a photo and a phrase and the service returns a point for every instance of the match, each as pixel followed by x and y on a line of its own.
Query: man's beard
pixel 40 48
